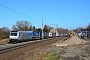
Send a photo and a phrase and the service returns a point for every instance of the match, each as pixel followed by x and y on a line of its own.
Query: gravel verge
pixel 71 52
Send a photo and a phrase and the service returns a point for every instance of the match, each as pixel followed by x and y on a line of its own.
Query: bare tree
pixel 22 25
pixel 5 29
pixel 47 28
pixel 4 32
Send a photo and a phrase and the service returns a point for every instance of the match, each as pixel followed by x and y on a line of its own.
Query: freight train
pixel 18 36
pixel 84 34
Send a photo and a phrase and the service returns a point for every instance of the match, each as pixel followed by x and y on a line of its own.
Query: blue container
pixel 46 35
pixel 39 34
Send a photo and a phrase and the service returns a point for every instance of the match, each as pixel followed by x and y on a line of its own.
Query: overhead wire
pixel 29 9
pixel 12 19
pixel 8 17
pixel 12 12
pixel 18 12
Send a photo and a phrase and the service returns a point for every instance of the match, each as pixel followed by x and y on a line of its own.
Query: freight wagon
pixel 50 35
pixel 57 34
pixel 46 35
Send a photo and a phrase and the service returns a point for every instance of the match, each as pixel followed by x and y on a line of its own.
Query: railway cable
pixel 9 11
pixel 3 20
pixel 29 9
pixel 18 13
pixel 8 17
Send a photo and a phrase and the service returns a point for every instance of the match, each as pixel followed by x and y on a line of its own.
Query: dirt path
pixel 4 41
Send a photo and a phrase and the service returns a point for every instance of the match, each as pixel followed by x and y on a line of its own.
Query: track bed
pixel 25 51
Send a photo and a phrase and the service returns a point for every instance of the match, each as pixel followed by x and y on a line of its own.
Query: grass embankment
pixel 50 56
pixel 54 56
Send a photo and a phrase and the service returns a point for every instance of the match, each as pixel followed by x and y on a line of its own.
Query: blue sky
pixel 68 13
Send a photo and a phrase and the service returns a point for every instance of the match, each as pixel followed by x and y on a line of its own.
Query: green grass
pixel 38 56
pixel 50 56
pixel 54 56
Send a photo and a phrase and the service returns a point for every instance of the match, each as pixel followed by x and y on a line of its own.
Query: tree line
pixel 24 25
pixel 82 29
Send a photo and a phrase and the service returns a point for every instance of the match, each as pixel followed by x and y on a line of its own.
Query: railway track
pixel 23 52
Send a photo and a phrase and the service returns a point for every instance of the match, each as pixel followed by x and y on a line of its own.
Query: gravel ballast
pixel 71 41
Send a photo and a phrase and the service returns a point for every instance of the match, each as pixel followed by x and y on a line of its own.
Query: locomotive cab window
pixel 13 34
